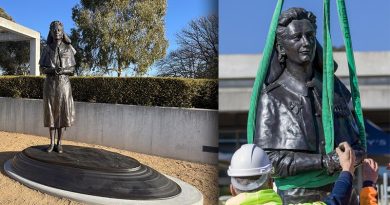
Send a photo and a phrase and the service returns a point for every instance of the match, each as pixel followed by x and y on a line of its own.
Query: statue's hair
pixel 286 17
pixel 65 38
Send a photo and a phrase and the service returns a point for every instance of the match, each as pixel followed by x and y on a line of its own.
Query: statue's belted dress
pixel 57 62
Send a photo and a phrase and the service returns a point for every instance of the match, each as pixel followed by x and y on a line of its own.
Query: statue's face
pixel 57 32
pixel 300 42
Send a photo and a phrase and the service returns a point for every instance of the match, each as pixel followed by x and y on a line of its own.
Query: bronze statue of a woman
pixel 289 125
pixel 57 62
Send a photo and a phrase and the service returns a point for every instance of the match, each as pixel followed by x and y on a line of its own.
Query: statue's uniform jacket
pixel 57 62
pixel 289 125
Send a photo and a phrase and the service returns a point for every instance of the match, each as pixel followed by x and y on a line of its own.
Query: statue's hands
pixel 331 162
pixel 47 70
pixel 59 70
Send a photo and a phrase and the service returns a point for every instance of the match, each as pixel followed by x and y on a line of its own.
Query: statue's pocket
pixel 65 61
pixel 293 131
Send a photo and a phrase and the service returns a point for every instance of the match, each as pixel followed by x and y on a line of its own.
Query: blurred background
pixel 243 27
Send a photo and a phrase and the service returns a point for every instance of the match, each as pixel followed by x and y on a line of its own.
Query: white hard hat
pixel 249 160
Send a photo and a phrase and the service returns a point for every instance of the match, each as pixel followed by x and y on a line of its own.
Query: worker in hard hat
pixel 250 172
pixel 251 183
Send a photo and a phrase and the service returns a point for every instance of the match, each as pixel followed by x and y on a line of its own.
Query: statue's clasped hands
pixel 59 70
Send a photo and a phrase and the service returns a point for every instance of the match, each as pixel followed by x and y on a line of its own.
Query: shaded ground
pixel 202 176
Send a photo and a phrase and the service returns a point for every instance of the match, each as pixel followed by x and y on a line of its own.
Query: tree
pixel 14 56
pixel 83 56
pixel 4 14
pixel 339 48
pixel 197 55
pixel 116 35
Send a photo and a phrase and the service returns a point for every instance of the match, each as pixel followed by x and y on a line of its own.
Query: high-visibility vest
pixel 262 197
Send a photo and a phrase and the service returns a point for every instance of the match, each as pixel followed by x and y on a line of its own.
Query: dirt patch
pixel 203 176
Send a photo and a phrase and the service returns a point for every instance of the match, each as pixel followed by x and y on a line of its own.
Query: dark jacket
pixel 60 59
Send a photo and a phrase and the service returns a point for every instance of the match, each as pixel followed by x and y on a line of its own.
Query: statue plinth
pixel 94 172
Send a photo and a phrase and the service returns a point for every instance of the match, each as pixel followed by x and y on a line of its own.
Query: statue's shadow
pixel 4 157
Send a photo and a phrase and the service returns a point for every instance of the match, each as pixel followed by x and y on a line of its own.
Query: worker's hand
pixel 346 156
pixel 370 170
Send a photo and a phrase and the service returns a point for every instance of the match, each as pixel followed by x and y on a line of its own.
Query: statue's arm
pixel 360 153
pixel 290 163
pixel 43 64
pixel 70 63
pixel 47 70
pixel 355 142
pixel 68 70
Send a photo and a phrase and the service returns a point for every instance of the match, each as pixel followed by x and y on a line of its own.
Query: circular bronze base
pixel 94 172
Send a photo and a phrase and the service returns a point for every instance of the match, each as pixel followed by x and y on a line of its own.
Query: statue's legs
pixel 52 132
pixel 61 132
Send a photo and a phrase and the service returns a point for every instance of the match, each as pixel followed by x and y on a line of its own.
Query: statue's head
pixel 57 33
pixel 296 37
pixel 295 43
pixel 57 30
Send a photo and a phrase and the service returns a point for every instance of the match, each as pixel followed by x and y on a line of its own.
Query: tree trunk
pixel 119 72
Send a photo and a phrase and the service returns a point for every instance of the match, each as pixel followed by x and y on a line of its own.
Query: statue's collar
pixel 290 83
pixel 53 46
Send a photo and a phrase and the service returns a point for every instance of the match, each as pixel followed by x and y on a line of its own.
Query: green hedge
pixel 147 91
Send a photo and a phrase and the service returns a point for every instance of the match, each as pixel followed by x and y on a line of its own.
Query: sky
pixel 38 14
pixel 244 24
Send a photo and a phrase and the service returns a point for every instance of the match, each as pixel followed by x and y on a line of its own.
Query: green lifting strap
pixel 262 71
pixel 327 82
pixel 353 81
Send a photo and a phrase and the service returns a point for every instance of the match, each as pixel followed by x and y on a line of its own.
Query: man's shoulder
pixel 236 199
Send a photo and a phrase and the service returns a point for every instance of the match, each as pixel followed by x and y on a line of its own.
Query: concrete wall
pixel 246 65
pixel 238 99
pixel 187 134
pixel 237 74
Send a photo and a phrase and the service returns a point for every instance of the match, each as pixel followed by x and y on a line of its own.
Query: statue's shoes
pixel 59 149
pixel 50 148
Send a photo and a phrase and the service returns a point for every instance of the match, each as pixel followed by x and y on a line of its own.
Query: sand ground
pixel 203 176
